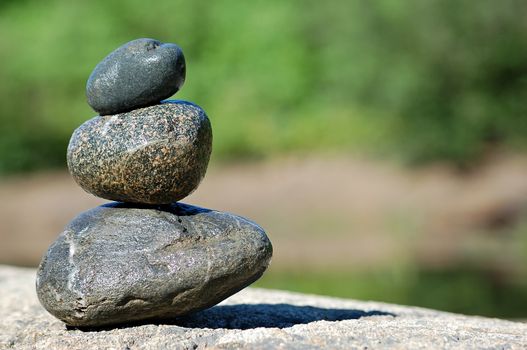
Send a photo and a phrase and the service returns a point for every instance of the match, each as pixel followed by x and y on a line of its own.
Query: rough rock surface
pixel 257 319
pixel 119 263
pixel 153 155
pixel 139 73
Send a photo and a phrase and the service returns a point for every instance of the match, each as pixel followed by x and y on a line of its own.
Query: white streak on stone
pixel 107 124
pixel 72 271
pixel 71 259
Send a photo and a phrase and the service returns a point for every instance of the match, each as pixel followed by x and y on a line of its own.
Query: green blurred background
pixel 417 83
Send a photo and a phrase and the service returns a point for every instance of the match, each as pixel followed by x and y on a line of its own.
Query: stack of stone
pixel 145 257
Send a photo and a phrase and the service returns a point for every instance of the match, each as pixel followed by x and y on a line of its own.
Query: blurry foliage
pixel 460 290
pixel 491 281
pixel 434 80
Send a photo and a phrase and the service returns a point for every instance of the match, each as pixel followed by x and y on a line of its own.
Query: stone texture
pixel 257 319
pixel 139 73
pixel 153 155
pixel 117 263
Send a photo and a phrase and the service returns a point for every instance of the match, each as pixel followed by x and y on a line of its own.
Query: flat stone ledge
pixel 257 319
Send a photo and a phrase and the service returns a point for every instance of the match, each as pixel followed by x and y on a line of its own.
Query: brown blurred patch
pixel 344 212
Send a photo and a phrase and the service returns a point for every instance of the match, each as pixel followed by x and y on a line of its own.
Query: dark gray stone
pixel 118 263
pixel 153 155
pixel 142 72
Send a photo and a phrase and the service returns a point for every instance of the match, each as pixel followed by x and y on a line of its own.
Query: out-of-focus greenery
pixel 457 290
pixel 478 284
pixel 426 80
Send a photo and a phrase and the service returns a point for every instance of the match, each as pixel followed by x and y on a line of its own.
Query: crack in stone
pixel 131 299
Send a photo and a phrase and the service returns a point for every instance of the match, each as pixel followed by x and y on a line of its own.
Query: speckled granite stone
pixel 139 73
pixel 119 263
pixel 154 155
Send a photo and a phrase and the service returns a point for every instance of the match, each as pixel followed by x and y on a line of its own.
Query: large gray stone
pixel 257 319
pixel 139 73
pixel 153 155
pixel 118 263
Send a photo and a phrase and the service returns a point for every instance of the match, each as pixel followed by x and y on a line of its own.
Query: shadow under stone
pixel 248 316
pixel 176 208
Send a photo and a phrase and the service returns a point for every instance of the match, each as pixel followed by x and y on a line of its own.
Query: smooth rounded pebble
pixel 153 155
pixel 140 73
pixel 118 263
